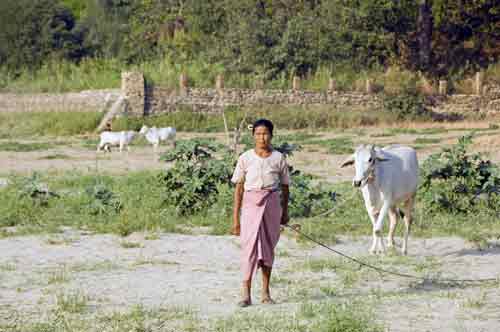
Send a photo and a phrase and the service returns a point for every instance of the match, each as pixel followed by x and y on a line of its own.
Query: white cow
pixel 156 135
pixel 387 177
pixel 120 138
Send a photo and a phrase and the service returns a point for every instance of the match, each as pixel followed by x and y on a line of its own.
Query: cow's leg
pixel 408 218
pixel 377 227
pixel 380 219
pixel 373 217
pixel 393 218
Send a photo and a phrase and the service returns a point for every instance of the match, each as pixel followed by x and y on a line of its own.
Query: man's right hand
pixel 235 230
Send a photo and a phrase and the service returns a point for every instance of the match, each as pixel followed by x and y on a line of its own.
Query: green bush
pixel 192 184
pixel 405 106
pixel 102 200
pixel 461 183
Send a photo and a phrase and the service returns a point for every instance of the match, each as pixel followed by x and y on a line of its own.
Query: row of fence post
pixel 332 84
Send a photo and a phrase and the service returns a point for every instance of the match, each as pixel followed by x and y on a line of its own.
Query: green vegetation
pixel 74 302
pixel 28 125
pixel 321 317
pixel 61 45
pixel 283 117
pixel 459 196
pixel 425 140
pixel 339 145
pixel 467 184
pixel 24 147
pixel 56 156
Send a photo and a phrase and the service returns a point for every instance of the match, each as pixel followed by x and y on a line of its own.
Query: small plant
pixel 75 302
pixel 58 276
pixel 102 200
pixel 130 245
pixel 36 190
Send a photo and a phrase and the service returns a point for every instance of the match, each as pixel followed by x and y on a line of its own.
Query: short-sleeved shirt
pixel 261 173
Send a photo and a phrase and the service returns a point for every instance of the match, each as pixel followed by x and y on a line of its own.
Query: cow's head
pixel 365 158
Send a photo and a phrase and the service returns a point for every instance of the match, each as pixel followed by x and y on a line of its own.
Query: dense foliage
pixel 458 182
pixel 272 39
pixel 199 181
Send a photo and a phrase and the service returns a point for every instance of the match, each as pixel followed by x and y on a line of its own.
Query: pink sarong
pixel 260 229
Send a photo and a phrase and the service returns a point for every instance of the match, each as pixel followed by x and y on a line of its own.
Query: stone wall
pixel 140 100
pixel 487 103
pixel 91 100
pixel 161 100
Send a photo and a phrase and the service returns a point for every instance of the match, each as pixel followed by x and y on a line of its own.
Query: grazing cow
pixel 121 139
pixel 387 177
pixel 156 135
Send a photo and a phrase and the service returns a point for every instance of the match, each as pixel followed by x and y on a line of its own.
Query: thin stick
pixel 228 140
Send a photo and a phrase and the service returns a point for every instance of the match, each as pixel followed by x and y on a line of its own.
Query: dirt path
pixel 72 155
pixel 201 272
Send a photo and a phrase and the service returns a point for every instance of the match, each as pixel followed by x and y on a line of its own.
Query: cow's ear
pixel 348 161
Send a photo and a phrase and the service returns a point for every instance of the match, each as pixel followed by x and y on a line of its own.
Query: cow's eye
pixel 370 160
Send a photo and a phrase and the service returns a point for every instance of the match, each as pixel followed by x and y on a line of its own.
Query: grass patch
pixel 476 302
pixel 283 117
pixel 24 147
pixel 131 245
pixel 96 266
pixel 318 317
pixel 19 125
pixel 7 267
pixel 58 276
pixel 55 156
pixel 339 145
pixel 425 140
pixel 67 316
pixel 74 302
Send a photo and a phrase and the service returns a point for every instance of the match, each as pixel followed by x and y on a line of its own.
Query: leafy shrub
pixel 406 106
pixel 38 191
pixel 461 183
pixel 191 185
pixel 306 199
pixel 102 200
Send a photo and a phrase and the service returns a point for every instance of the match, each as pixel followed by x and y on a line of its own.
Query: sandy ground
pixel 201 272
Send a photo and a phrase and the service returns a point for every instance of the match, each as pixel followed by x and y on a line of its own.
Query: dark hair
pixel 263 123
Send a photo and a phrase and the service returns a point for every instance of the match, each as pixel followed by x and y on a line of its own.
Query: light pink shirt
pixel 261 173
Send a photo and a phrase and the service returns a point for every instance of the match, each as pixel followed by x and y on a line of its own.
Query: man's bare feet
pixel 244 303
pixel 267 300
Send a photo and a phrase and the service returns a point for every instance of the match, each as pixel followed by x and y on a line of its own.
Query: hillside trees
pixel 31 32
pixel 265 37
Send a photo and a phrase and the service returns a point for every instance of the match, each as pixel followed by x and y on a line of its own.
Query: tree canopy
pixel 266 37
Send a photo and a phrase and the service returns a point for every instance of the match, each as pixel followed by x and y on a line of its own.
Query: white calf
pixel 156 135
pixel 387 177
pixel 120 138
